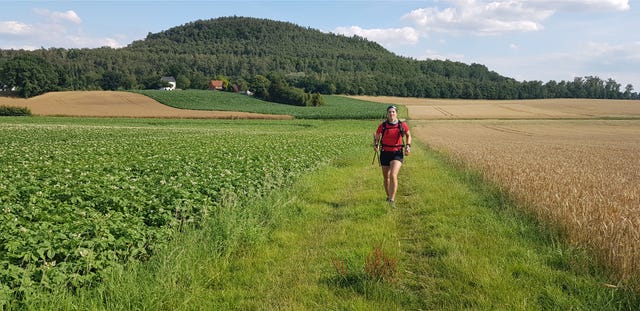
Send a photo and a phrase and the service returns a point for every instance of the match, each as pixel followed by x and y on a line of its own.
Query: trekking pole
pixel 375 152
pixel 375 155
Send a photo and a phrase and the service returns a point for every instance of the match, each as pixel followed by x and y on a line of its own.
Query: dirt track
pixel 117 104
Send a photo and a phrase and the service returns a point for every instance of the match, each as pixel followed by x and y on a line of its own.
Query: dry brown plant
pixel 581 175
pixel 380 266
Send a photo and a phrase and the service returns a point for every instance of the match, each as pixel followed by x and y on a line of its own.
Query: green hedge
pixel 14 111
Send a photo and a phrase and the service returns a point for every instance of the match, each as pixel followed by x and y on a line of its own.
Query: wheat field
pixel 580 175
pixel 556 108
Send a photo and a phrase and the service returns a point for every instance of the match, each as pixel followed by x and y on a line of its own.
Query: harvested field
pixel 581 175
pixel 117 104
pixel 566 108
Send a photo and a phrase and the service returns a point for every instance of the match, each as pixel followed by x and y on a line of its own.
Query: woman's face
pixel 392 114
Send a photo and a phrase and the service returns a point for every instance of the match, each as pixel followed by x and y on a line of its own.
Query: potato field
pixel 79 196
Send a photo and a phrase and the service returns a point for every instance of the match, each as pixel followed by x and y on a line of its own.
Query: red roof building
pixel 215 85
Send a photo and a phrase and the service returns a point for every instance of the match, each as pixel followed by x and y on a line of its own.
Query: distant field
pixel 188 104
pixel 116 104
pixel 581 175
pixel 336 107
pixel 570 108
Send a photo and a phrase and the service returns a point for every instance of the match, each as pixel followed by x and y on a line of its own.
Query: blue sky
pixel 523 39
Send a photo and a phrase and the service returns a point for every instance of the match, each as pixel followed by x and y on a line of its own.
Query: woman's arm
pixel 407 148
pixel 376 140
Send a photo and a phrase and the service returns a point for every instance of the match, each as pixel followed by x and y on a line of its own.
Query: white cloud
pixel 495 17
pixel 389 36
pixel 54 29
pixel 57 17
pixel 478 17
pixel 626 56
pixel 620 62
pixel 83 41
pixel 582 5
pixel 14 28
pixel 430 54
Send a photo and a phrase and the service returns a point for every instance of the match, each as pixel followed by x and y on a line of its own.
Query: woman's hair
pixel 392 107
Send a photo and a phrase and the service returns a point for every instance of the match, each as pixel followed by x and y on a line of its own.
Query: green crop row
pixel 78 196
pixel 336 107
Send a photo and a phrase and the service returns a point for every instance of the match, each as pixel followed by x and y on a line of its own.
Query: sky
pixel 527 40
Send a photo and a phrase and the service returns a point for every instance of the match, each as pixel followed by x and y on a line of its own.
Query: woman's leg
pixel 385 177
pixel 391 180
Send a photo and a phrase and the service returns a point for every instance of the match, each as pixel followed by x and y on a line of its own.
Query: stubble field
pixel 572 162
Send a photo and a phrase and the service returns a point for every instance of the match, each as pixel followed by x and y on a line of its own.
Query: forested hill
pixel 243 50
pixel 317 61
pixel 251 37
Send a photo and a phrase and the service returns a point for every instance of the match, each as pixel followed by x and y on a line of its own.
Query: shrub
pixel 14 111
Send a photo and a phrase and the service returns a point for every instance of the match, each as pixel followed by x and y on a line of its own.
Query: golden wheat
pixel 583 176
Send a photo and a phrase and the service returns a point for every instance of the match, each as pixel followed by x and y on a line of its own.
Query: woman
pixel 392 136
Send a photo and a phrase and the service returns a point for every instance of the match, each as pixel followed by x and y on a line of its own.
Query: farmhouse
pixel 216 85
pixel 171 81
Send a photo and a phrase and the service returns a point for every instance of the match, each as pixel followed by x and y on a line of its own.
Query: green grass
pixel 460 245
pixel 337 107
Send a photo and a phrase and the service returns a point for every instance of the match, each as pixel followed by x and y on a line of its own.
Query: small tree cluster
pixel 275 89
pixel 14 111
pixel 30 75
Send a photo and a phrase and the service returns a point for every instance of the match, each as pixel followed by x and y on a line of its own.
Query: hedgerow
pixel 7 111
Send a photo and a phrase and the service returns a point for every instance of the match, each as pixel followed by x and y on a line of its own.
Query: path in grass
pixel 459 245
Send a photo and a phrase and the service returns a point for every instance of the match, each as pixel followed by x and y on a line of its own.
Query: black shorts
pixel 387 156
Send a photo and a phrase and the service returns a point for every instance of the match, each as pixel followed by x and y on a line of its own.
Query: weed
pixel 380 266
pixel 340 267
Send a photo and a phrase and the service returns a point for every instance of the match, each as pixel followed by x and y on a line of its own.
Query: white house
pixel 171 81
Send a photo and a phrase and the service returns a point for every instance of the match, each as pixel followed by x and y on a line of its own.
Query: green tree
pixel 112 80
pixel 260 86
pixel 30 75
pixel 183 82
pixel 317 100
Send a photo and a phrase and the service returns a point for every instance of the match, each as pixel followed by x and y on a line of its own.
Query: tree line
pixel 245 50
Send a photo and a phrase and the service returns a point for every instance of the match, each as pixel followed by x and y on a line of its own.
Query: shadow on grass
pixel 361 284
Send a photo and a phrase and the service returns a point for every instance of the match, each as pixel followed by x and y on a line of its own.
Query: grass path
pixel 458 245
